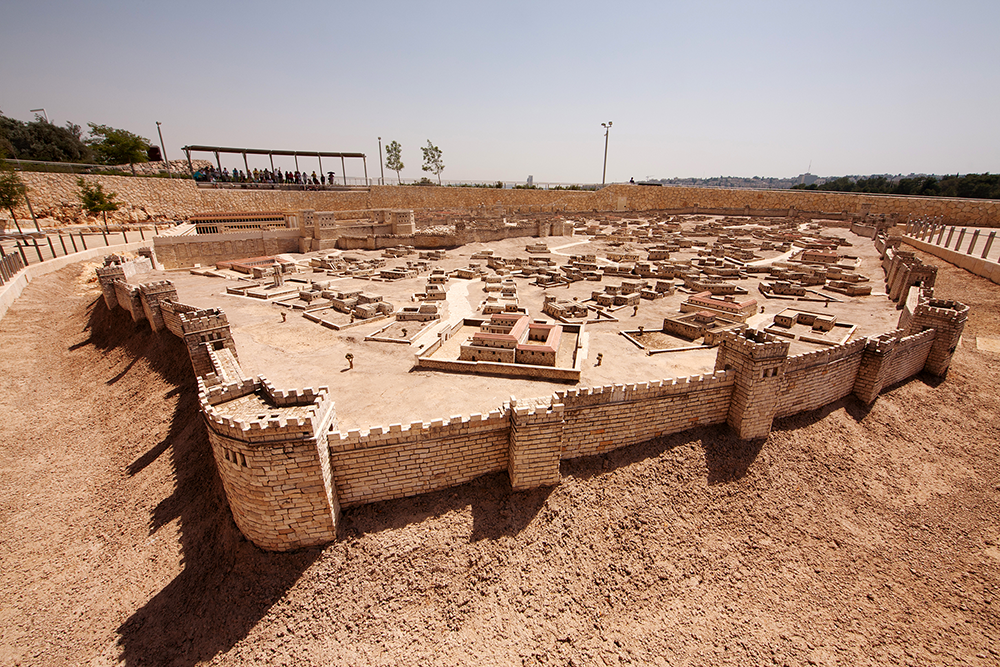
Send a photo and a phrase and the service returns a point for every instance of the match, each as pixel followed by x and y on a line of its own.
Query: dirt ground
pixel 849 537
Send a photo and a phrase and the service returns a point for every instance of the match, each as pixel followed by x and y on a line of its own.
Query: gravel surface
pixel 849 537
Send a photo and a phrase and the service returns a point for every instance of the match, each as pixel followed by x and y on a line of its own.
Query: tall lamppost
pixel 381 168
pixel 45 115
pixel 163 148
pixel 607 129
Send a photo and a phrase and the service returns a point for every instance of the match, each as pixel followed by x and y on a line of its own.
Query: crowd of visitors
pixel 212 175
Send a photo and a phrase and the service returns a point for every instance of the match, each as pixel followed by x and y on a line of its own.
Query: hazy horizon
pixel 693 90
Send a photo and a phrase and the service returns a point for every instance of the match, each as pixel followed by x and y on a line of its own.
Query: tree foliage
pixel 42 140
pixel 393 158
pixel 114 146
pixel 95 200
pixel 432 160
pixel 11 188
pixel 979 186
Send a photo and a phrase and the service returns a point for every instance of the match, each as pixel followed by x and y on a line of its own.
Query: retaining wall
pixel 160 198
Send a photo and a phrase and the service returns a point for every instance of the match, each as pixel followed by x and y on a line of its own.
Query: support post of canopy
pixel 343 169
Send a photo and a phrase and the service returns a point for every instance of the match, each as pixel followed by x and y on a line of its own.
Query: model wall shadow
pixel 227 584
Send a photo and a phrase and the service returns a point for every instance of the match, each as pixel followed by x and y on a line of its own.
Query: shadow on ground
pixel 497 511
pixel 227 584
pixel 727 458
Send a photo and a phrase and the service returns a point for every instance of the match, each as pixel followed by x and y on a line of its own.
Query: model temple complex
pixel 767 317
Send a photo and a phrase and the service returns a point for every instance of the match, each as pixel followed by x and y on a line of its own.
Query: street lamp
pixel 163 148
pixel 380 167
pixel 607 129
pixel 45 115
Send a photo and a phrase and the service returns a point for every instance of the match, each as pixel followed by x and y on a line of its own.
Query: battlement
pixel 203 320
pixel 418 431
pixel 286 397
pixel 243 411
pixel 625 393
pixel 883 343
pixel 756 345
pixel 944 309
pixel 157 287
pixel 824 356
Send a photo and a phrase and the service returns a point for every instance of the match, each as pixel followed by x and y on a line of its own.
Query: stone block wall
pixel 947 319
pixel 153 294
pixel 129 298
pixel 405 460
pixel 601 419
pixel 174 252
pixel 819 378
pixel 287 477
pixel 158 198
pixel 272 469
pixel 171 312
pixel 536 443
pixel 908 357
pixel 758 361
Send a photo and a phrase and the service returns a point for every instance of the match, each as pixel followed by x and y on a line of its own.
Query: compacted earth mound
pixel 851 536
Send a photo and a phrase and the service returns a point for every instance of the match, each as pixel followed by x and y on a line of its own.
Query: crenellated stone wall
pixel 287 470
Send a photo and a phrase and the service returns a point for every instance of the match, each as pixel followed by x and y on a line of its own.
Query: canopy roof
pixel 268 151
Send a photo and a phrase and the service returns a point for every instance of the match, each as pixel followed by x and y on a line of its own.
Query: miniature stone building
pixel 287 470
pixel 702 324
pixel 513 338
pixel 726 306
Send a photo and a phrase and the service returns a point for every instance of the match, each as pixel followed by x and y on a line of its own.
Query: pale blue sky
pixel 516 88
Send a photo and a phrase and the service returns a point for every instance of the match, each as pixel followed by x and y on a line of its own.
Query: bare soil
pixel 850 536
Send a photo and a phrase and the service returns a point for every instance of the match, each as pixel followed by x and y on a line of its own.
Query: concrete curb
pixel 976 265
pixel 13 289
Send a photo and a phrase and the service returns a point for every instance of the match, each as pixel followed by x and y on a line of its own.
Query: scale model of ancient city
pixel 352 356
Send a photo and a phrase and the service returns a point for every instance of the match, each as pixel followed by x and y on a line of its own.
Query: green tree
pixel 114 146
pixel 11 190
pixel 432 160
pixel 42 140
pixel 393 161
pixel 95 200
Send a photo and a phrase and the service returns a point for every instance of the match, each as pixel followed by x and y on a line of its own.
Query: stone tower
pixel 947 318
pixel 758 360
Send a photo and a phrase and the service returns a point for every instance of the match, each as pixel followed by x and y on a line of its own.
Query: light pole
pixel 380 167
pixel 607 129
pixel 163 148
pixel 45 115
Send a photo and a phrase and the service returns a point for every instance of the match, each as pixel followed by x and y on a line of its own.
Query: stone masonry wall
pixel 287 478
pixel 175 252
pixel 162 199
pixel 819 378
pixel 909 356
pixel 399 461
pixel 600 419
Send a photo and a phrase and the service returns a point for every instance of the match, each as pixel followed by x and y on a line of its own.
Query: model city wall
pixel 287 478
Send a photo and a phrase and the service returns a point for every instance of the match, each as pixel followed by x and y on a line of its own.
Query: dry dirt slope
pixel 848 537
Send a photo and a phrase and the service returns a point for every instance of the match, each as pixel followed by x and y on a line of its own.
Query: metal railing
pixel 933 232
pixel 142 169
pixel 9 266
pixel 39 247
